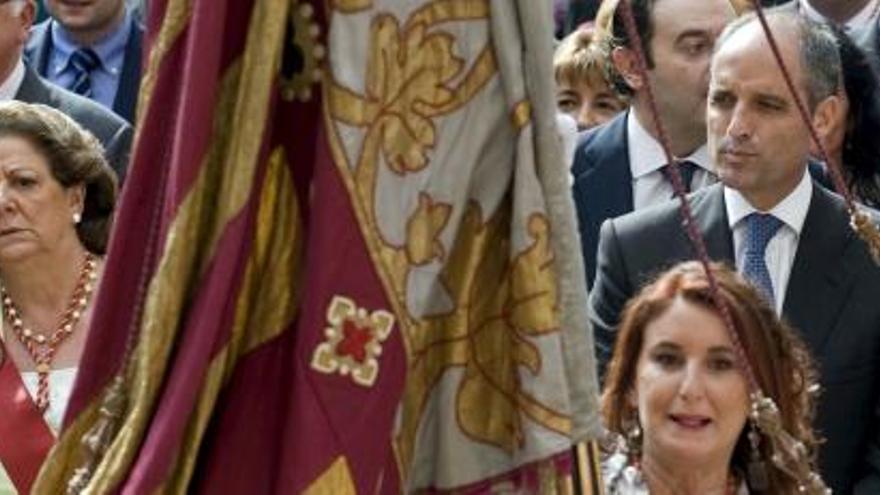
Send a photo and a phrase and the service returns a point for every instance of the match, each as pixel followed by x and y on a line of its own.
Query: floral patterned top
pixel 622 478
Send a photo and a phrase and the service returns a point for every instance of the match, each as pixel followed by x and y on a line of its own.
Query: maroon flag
pixel 318 282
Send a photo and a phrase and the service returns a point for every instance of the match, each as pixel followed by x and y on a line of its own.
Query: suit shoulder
pixel 664 217
pixel 651 219
pixel 839 204
pixel 94 117
pixel 596 144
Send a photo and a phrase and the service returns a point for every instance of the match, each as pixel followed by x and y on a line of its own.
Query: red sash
pixel 25 438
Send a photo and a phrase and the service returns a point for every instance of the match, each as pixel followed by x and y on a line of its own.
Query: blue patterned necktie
pixel 687 169
pixel 760 228
pixel 84 61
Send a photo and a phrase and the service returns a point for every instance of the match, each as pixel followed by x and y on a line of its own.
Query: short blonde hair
pixel 580 57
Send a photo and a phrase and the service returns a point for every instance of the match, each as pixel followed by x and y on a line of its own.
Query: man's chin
pixel 731 179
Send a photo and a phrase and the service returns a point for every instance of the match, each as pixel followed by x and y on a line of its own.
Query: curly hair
pixel 781 362
pixel 75 157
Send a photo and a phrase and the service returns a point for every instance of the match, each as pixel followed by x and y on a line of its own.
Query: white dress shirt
pixel 646 158
pixel 782 247
pixel 9 87
pixel 856 22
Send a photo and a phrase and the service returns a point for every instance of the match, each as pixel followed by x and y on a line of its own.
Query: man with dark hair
pixel 620 167
pixel 93 49
pixel 785 233
pixel 20 82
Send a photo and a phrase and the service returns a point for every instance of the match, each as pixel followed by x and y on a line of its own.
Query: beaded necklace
pixel 42 347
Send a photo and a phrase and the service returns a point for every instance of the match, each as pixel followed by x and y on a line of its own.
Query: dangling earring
pixel 758 478
pixel 634 440
pixel 77 218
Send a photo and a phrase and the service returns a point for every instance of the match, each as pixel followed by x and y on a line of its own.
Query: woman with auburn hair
pixel 679 404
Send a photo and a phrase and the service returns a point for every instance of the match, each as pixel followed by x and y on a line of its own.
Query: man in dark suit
pixel 92 49
pixel 17 81
pixel 620 167
pixel 787 234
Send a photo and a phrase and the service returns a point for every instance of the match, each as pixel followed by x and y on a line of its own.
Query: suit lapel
pixel 711 217
pixel 129 80
pixel 41 43
pixel 607 185
pixel 603 184
pixel 817 286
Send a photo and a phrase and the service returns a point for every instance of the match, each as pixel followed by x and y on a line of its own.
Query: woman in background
pixel 583 91
pixel 854 142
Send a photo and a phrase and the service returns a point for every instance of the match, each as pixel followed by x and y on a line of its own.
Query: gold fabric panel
pixel 177 15
pixel 264 308
pixel 521 115
pixel 336 480
pixel 270 290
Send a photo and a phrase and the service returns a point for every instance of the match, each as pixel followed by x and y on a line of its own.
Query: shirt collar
pixel 792 209
pixel 646 155
pixel 110 49
pixel 862 18
pixel 9 88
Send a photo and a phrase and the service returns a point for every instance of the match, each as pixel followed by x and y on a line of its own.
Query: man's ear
pixel 626 63
pixel 828 115
pixel 26 19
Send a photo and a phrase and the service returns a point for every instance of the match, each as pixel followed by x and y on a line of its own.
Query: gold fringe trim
pixel 789 454
pixel 865 228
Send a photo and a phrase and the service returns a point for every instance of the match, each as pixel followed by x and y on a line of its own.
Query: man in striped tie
pixel 93 49
pixel 20 82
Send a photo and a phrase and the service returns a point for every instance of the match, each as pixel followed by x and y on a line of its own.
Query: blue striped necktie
pixel 84 61
pixel 760 228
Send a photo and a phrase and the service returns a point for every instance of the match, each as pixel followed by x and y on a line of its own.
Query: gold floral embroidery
pixel 499 306
pixel 501 300
pixel 521 115
pixel 423 229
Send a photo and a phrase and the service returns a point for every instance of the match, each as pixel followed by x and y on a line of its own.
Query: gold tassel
pixel 99 437
pixel 789 454
pixel 865 228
